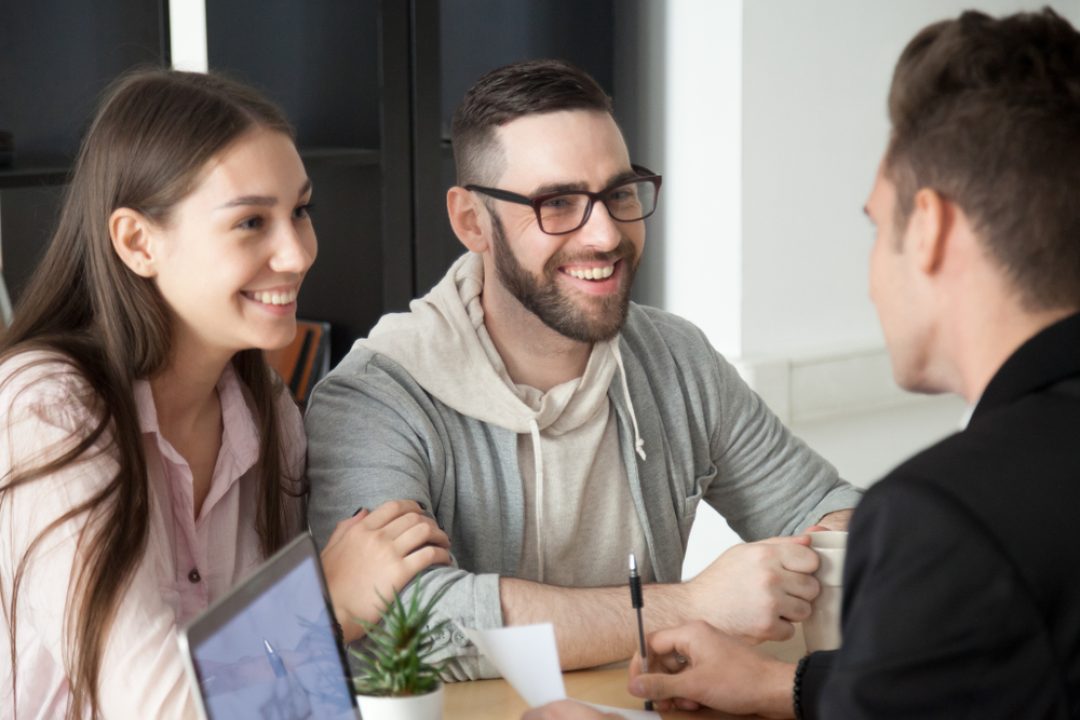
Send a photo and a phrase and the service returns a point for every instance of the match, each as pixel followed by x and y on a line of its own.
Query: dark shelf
pixel 18 177
pixel 341 155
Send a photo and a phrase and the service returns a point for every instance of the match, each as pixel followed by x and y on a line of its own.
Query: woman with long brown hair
pixel 149 458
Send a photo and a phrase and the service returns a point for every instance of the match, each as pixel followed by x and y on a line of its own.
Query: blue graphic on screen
pixel 278 659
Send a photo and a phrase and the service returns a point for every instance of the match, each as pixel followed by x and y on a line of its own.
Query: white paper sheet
pixel 527 657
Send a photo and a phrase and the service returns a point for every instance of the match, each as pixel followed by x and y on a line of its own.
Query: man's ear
pixel 132 241
pixel 931 223
pixel 464 210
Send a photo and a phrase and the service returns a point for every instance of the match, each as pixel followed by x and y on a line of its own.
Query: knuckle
pixel 763 628
pixel 429 554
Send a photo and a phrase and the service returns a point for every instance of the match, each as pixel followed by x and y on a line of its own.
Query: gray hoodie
pixel 423 409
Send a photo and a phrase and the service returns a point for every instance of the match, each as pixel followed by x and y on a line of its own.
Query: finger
pixel 655 686
pixel 800 585
pixel 817 528
pixel 422 533
pixel 391 510
pixel 787 540
pixel 686 704
pixel 799 558
pixel 677 639
pixel 795 609
pixel 672 663
pixel 401 524
pixel 425 557
pixel 635 664
pixel 778 628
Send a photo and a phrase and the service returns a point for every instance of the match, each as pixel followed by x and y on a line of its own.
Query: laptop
pixel 267 650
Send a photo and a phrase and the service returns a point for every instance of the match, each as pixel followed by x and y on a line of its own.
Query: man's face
pixel 578 284
pixel 893 289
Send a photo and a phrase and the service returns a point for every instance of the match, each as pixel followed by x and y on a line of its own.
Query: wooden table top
pixel 497 700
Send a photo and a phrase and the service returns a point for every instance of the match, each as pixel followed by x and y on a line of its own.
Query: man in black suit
pixel 962 583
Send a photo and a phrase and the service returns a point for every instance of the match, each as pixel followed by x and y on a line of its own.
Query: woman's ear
pixel 132 240
pixel 465 213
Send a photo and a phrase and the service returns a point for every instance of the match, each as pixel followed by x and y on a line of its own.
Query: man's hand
pixel 378 553
pixel 757 590
pixel 567 710
pixel 699 665
pixel 833 521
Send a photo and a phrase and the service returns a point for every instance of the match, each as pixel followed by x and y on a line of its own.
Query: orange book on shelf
pixel 305 360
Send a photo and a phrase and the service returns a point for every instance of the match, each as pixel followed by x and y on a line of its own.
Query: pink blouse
pixel 189 561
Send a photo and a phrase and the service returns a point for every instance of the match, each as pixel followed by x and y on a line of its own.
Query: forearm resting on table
pixel 593 626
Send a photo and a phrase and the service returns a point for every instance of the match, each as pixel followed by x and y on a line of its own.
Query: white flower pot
pixel 413 707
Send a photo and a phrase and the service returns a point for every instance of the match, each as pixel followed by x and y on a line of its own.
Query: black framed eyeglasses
pixel 558 213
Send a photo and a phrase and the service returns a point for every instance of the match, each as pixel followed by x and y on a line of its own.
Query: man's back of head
pixel 987 112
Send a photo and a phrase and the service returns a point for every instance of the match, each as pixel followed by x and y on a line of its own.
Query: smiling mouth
pixel 272 297
pixel 594 273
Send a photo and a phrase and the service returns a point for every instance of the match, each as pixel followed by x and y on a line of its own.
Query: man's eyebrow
pixel 622 177
pixel 615 179
pixel 559 187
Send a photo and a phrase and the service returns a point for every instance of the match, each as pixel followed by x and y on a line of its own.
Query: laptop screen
pixel 268 649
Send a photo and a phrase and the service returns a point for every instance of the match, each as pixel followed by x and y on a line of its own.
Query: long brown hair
pixel 154 132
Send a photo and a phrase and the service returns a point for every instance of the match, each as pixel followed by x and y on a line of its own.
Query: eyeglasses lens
pixel 626 203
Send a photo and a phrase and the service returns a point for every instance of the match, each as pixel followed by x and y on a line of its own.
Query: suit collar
pixel 1048 357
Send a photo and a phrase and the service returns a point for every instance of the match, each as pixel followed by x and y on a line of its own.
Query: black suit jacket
pixel 962 581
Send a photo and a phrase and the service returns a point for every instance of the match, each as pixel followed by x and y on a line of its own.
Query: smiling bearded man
pixel 549 424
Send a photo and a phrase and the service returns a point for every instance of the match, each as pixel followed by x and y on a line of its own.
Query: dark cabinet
pixel 370 86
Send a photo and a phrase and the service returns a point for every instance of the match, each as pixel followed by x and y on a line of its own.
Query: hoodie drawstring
pixel 639 444
pixel 538 458
pixel 538 463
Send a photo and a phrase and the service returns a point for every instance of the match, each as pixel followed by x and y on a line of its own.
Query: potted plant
pixel 396 679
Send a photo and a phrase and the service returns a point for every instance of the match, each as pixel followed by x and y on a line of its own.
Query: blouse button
pixel 194 576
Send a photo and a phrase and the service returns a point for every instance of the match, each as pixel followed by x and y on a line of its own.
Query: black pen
pixel 636 599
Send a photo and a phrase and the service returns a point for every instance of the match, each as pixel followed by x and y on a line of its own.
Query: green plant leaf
pixel 395 657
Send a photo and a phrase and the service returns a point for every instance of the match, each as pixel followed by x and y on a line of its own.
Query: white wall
pixel 187 35
pixel 773 122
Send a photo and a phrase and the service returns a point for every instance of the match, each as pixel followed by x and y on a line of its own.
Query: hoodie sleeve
pixel 770 482
pixel 373 437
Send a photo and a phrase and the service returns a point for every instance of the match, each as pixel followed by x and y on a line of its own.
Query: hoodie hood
pixel 443 343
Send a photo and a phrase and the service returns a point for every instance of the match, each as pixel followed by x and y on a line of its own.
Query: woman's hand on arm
pixel 376 553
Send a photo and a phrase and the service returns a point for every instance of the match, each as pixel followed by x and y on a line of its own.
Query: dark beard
pixel 556 309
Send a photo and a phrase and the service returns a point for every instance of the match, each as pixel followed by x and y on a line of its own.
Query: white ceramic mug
pixel 822 628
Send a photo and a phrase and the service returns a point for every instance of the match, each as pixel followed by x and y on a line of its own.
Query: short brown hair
pixel 987 112
pixel 507 93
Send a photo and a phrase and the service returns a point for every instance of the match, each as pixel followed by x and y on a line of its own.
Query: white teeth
pixel 274 298
pixel 600 273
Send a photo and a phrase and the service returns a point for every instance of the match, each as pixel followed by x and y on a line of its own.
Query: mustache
pixel 624 251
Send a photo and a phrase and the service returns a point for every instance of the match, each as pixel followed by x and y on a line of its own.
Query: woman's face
pixel 230 261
